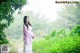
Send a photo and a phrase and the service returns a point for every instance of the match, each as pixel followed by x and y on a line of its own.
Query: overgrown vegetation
pixel 62 41
pixel 7 8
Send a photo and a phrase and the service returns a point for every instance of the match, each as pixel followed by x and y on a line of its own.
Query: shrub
pixel 76 30
pixel 69 44
pixel 59 42
pixel 3 39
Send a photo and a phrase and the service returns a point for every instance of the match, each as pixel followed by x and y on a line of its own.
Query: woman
pixel 28 35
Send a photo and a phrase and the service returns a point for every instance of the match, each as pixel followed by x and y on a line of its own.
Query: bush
pixel 3 39
pixel 62 41
pixel 76 30
pixel 69 44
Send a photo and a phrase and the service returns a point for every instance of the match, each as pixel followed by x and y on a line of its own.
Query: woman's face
pixel 27 19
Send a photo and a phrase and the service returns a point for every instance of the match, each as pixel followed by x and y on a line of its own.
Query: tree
pixel 71 13
pixel 7 7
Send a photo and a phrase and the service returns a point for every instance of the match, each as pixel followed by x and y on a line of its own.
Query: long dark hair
pixel 25 22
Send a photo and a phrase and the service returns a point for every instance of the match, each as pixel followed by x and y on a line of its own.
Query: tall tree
pixel 7 7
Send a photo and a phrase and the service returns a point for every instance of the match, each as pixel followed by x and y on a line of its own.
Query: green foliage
pixel 53 33
pixel 68 44
pixel 7 8
pixel 3 39
pixel 60 33
pixel 14 3
pixel 59 42
pixel 76 30
pixel 17 3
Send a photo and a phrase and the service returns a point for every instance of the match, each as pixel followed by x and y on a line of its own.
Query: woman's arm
pixel 25 31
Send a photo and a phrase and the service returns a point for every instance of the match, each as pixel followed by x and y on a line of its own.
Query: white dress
pixel 28 47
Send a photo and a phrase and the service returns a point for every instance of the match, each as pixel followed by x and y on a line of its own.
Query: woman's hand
pixel 32 37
